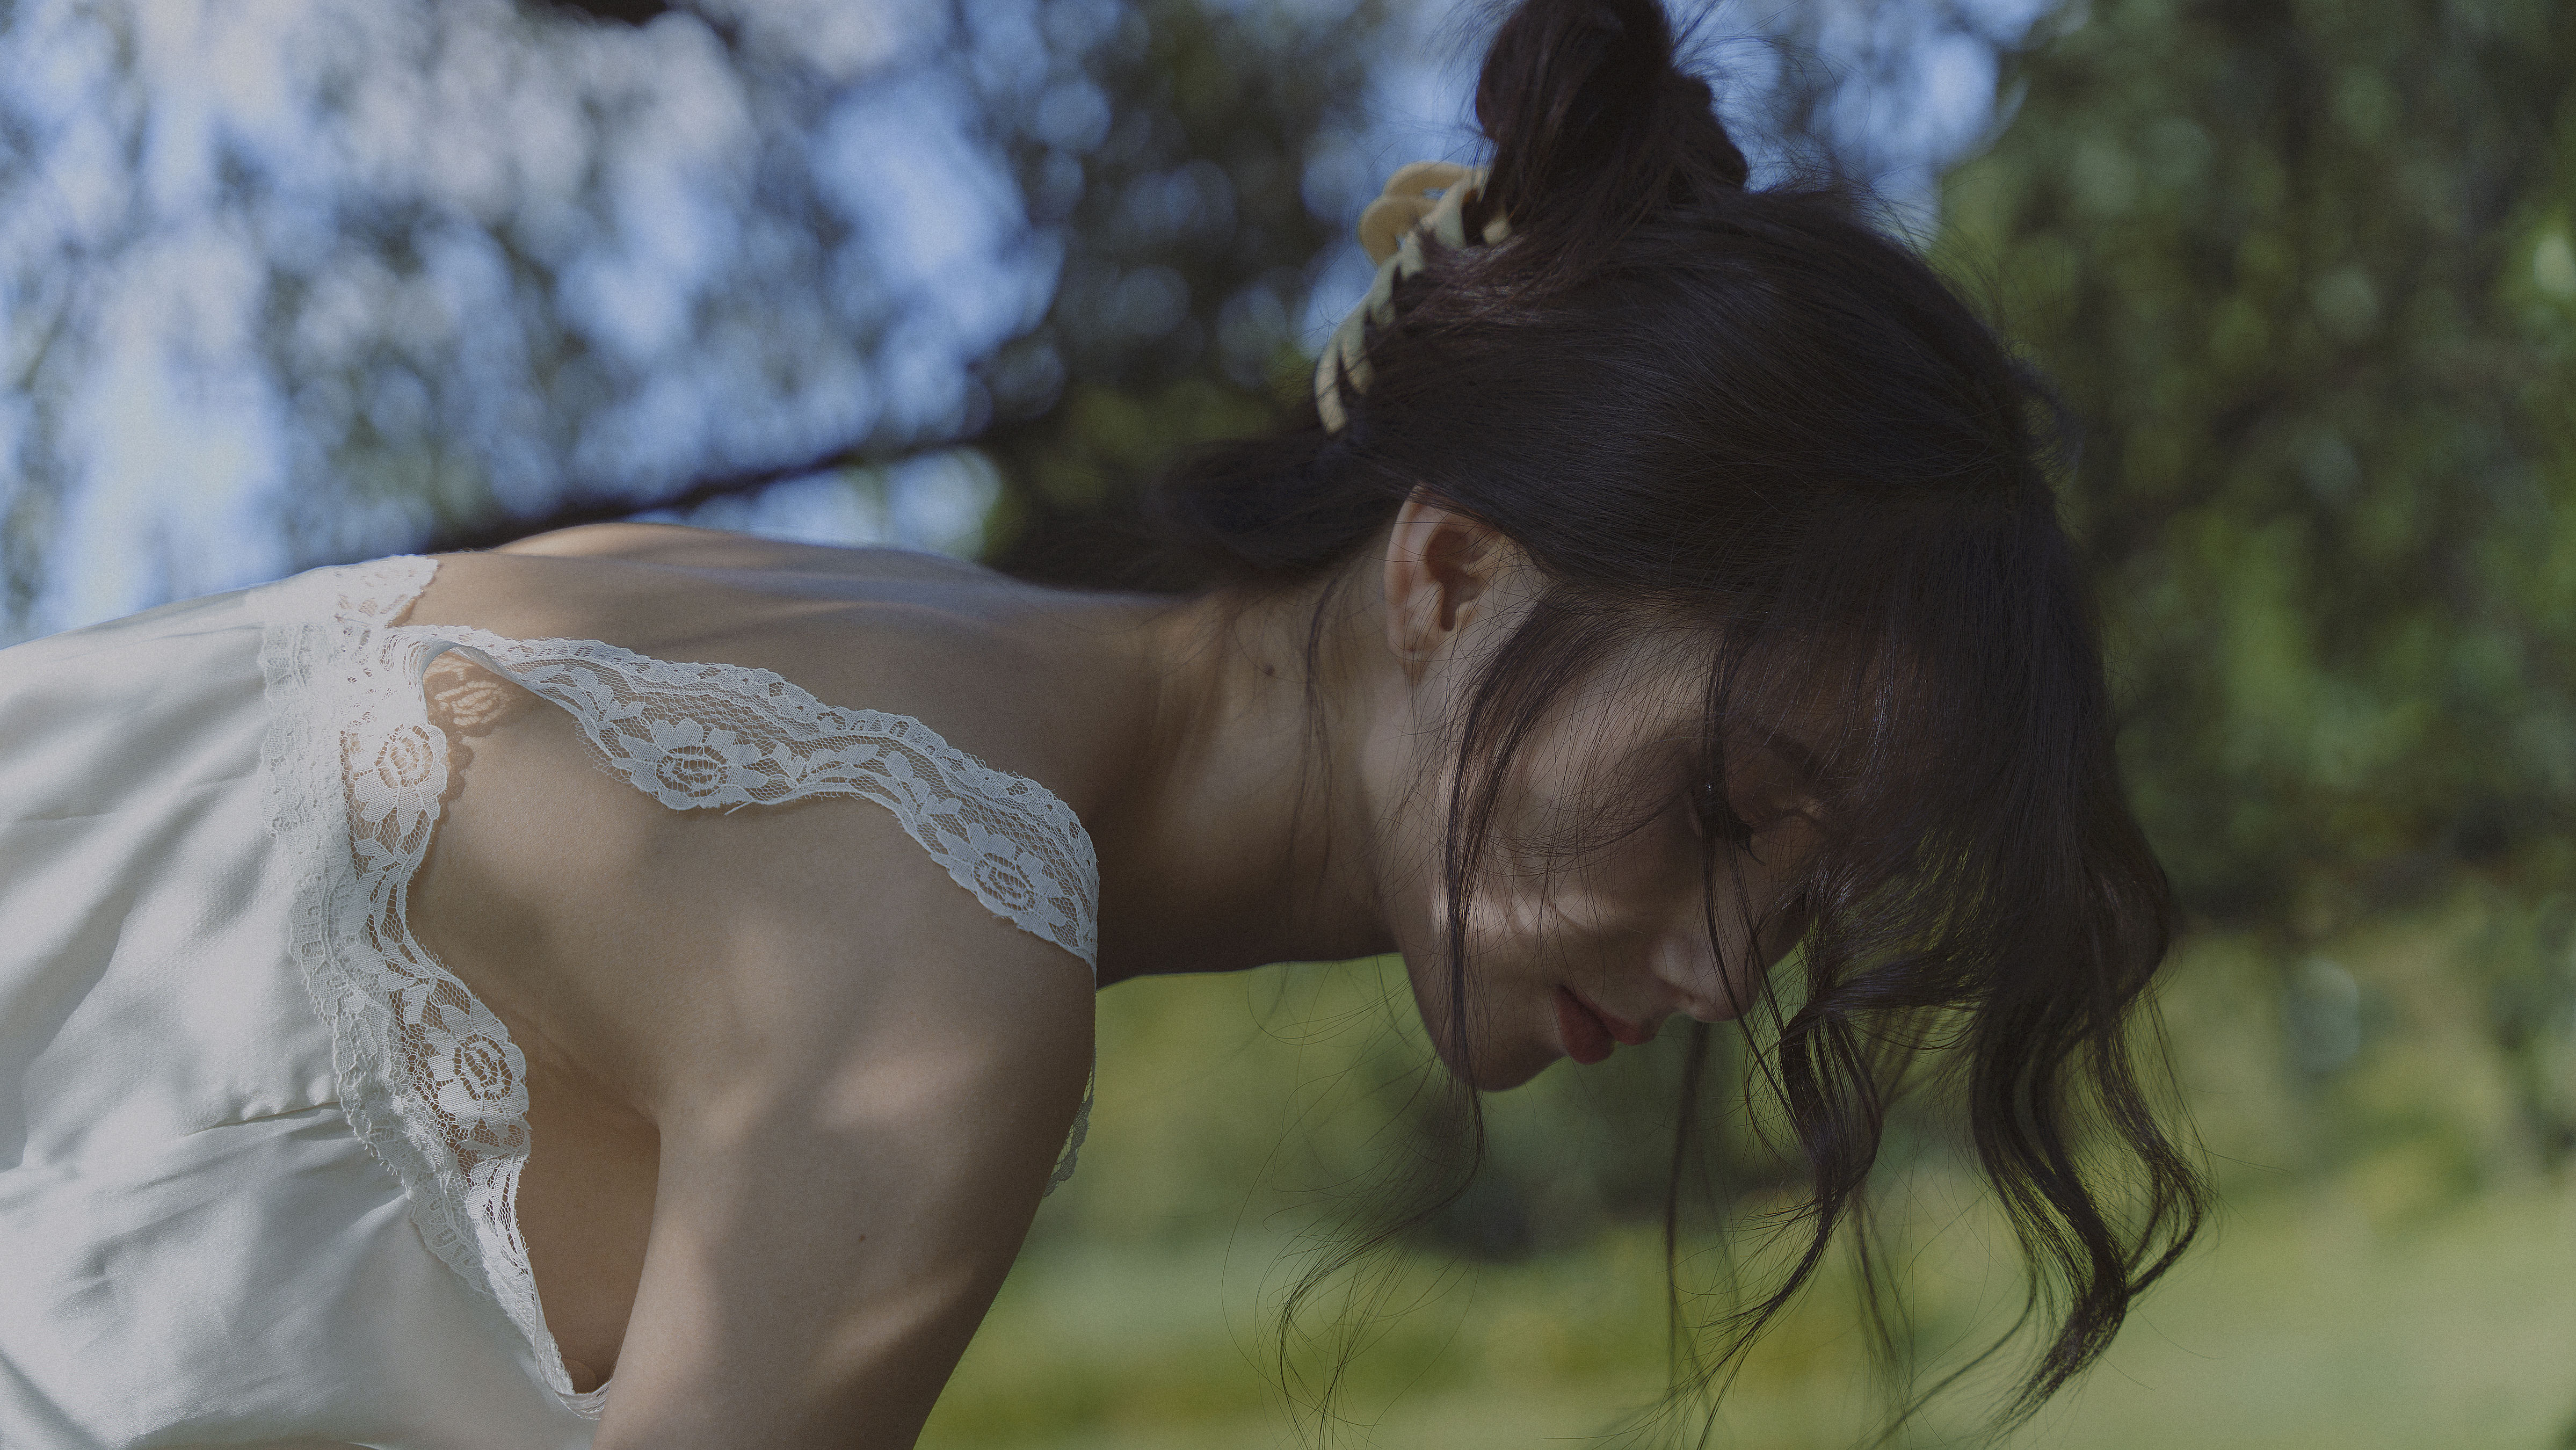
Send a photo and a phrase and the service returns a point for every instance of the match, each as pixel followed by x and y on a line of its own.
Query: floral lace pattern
pixel 694 736
pixel 427 1075
pixel 357 770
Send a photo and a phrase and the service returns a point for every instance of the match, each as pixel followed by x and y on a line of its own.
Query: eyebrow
pixel 1800 755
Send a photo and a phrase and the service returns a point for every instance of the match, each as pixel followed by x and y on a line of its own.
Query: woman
pixel 1667 578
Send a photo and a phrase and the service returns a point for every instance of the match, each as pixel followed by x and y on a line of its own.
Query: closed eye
pixel 1714 817
pixel 1743 819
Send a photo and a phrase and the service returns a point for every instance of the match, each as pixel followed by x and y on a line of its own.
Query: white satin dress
pixel 258 1150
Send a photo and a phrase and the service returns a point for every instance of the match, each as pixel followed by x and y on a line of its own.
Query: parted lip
pixel 1622 1031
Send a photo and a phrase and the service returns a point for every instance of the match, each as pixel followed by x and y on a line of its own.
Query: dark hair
pixel 1691 401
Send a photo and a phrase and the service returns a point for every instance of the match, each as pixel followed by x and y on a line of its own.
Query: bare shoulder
pixel 683 944
pixel 789 953
pixel 864 1079
pixel 977 657
pixel 857 1075
pixel 632 931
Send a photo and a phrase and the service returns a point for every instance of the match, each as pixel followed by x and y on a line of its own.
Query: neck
pixel 1236 830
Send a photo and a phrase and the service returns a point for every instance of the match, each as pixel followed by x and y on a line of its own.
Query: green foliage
pixel 2303 273
pixel 1314 1085
pixel 2380 1277
pixel 1171 161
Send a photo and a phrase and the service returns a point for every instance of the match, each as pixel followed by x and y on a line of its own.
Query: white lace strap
pixel 694 736
pixel 356 772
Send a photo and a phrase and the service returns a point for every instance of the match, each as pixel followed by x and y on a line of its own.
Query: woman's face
pixel 1589 922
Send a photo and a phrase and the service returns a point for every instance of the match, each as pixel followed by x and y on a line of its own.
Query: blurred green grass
pixel 2390 1266
pixel 2302 1324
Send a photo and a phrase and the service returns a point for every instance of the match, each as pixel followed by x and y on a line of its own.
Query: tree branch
pixel 603 506
pixel 599 506
pixel 629 12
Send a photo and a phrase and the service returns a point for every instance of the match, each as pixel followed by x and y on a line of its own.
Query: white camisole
pixel 258 1150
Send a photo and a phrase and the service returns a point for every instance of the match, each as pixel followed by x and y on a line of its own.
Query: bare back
pixel 768 984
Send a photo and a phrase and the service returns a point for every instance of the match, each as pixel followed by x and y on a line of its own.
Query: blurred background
pixel 291 282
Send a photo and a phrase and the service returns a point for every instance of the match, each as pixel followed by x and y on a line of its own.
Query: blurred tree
pixel 1169 148
pixel 318 279
pixel 439 276
pixel 2304 273
pixel 339 276
pixel 1171 154
pixel 1158 150
pixel 1195 230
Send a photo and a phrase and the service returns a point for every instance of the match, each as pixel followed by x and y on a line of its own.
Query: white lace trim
pixel 694 736
pixel 427 1074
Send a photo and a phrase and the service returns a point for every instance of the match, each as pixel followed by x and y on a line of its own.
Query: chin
pixel 1499 1066
pixel 1500 1059
pixel 1493 1077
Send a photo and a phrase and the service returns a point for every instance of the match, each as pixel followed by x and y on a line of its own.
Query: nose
pixel 1699 1011
pixel 1687 966
pixel 1710 986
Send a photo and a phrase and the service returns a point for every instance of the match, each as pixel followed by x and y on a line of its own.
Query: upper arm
pixel 869 1109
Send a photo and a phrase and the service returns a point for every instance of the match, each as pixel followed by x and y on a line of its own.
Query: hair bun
pixel 1594 126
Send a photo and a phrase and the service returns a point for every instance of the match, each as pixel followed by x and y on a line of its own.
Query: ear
pixel 1441 567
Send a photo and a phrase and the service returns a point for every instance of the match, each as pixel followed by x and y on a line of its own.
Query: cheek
pixel 1640 884
pixel 1405 874
pixel 1508 1022
pixel 1584 918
